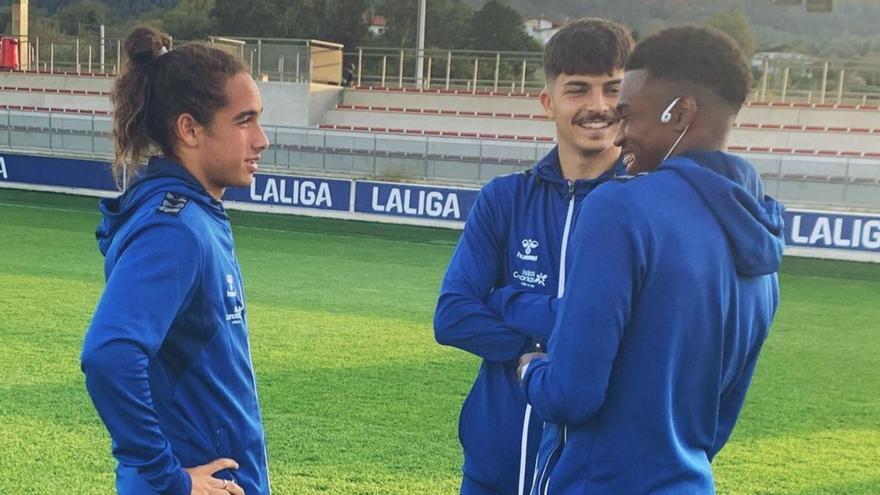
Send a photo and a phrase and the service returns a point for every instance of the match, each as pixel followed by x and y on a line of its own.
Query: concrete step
pixel 403 120
pixel 443 101
pixel 55 100
pixel 56 81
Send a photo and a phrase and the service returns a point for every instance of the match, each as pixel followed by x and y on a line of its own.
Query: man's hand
pixel 204 483
pixel 524 361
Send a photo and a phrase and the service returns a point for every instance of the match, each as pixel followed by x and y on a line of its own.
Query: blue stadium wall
pixel 812 233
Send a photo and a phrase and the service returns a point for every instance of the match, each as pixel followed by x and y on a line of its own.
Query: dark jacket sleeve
pixel 569 386
pixel 152 280
pixel 532 313
pixel 463 317
pixel 733 398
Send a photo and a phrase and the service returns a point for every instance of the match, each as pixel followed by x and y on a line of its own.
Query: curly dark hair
pixel 698 55
pixel 587 46
pixel 159 84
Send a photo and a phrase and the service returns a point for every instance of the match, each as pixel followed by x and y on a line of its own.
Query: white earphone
pixel 666 116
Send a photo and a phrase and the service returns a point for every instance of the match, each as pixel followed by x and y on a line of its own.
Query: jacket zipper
pixel 560 289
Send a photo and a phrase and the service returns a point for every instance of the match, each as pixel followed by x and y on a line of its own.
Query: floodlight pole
pixel 102 50
pixel 420 55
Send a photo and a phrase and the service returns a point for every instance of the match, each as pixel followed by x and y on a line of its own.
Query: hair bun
pixel 145 44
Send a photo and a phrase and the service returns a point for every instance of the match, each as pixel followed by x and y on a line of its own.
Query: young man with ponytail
pixel 166 357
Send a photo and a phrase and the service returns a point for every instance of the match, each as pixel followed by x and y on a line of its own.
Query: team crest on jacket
pixel 173 203
pixel 230 286
pixel 528 246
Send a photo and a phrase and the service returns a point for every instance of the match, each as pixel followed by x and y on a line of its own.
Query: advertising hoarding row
pixel 807 232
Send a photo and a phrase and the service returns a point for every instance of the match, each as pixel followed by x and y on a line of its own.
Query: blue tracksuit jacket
pixel 497 300
pixel 670 296
pixel 166 357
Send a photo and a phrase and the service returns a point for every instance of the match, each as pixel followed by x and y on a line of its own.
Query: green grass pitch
pixel 359 399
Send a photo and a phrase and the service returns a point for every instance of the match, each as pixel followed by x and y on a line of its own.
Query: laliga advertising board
pixel 813 233
pixel 819 230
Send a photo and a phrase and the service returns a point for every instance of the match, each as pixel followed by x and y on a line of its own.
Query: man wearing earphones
pixel 498 298
pixel 672 287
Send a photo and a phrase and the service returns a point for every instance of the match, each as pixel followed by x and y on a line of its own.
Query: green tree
pixel 254 18
pixel 447 23
pixel 340 21
pixel 189 20
pixel 497 26
pixel 300 19
pixel 82 17
pixel 401 17
pixel 737 26
pixel 343 22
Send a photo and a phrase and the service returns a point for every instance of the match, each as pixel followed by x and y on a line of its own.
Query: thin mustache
pixel 608 117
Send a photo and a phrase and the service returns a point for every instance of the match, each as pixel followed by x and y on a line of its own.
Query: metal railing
pixel 825 82
pixel 819 180
pixel 289 60
pixel 269 59
pixel 299 60
pixel 837 81
pixel 471 70
pixel 68 55
pixel 301 150
pixel 849 183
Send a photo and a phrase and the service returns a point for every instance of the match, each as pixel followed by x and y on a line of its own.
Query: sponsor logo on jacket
pixel 531 278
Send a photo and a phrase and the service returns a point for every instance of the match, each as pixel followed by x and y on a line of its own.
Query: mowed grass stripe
pixel 357 397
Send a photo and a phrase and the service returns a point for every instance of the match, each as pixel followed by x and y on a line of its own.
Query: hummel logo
pixel 528 245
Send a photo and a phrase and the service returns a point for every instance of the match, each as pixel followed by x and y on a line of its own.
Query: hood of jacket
pixel 732 190
pixel 160 175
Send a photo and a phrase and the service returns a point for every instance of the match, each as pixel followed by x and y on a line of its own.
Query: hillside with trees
pixel 849 32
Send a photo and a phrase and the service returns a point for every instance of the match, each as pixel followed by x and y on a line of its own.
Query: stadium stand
pixel 782 113
pixel 533 126
pixel 808 153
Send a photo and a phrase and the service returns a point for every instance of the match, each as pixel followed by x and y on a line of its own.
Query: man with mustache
pixel 671 291
pixel 498 298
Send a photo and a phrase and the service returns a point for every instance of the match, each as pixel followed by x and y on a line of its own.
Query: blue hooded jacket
pixel 670 297
pixel 497 300
pixel 166 357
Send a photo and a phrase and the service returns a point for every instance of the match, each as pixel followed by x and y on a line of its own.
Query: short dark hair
pixel 698 55
pixel 587 46
pixel 159 84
